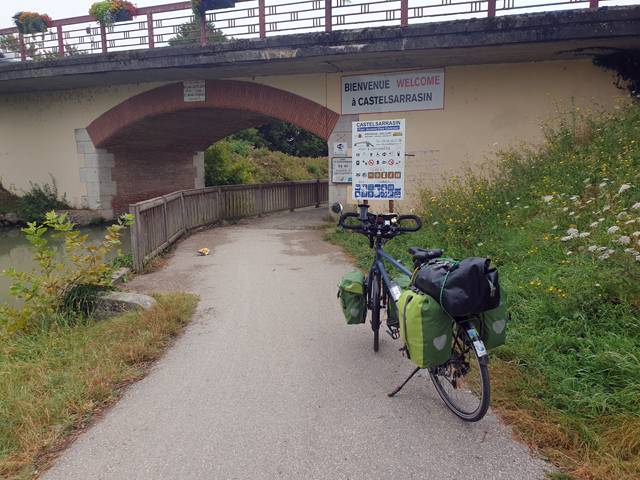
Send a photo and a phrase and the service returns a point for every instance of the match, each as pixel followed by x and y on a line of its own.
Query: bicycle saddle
pixel 425 254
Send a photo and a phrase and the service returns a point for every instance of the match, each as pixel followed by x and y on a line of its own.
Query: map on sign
pixel 378 160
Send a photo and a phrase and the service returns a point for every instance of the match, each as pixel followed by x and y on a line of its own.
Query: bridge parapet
pixel 164 25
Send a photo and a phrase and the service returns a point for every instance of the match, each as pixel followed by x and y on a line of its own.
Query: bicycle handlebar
pixel 373 225
pixel 346 226
pixel 415 218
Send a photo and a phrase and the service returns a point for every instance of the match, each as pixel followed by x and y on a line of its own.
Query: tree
pixel 287 138
pixel 189 34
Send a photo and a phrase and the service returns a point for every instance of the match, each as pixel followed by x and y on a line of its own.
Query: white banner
pixel 393 92
pixel 378 160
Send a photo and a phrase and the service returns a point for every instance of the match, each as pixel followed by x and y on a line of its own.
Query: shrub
pixel 33 205
pixel 60 289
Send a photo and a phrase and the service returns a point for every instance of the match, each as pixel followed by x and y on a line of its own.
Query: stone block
pixel 114 303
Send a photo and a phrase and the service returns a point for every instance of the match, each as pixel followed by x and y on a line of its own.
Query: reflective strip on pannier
pixel 425 328
pixel 351 293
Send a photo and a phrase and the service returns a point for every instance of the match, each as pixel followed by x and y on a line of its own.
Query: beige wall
pixel 487 107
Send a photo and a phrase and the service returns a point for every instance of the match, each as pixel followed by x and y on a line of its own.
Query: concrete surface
pixel 558 35
pixel 269 382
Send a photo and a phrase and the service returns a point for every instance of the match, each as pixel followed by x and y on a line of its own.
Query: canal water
pixel 16 252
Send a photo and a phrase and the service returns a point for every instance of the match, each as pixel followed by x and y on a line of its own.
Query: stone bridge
pixel 117 127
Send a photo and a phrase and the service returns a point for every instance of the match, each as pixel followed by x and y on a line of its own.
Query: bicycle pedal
pixel 393 332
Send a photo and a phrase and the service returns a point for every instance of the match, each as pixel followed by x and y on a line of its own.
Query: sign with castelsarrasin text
pixel 393 92
pixel 378 160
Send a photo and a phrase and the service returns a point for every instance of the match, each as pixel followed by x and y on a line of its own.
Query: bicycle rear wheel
pixel 375 310
pixel 463 382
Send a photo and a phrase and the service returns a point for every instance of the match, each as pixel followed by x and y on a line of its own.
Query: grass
pixel 52 382
pixel 563 225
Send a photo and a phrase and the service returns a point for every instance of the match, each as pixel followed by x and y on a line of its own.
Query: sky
pixel 60 9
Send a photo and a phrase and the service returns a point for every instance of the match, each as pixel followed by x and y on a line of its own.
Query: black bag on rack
pixel 464 287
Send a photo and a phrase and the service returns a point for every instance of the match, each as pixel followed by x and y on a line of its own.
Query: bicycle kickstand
pixel 392 394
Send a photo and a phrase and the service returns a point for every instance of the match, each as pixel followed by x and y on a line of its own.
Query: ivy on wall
pixel 626 64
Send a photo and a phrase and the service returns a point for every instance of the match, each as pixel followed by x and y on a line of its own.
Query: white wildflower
pixel 517 198
pixel 507 203
pixel 565 209
pixel 555 227
pixel 573 232
pixel 623 240
pixel 610 251
pixel 594 224
pixel 435 223
pixel 635 206
pixel 635 234
pixel 584 234
pixel 638 258
pixel 574 198
pixel 631 251
pixel 613 229
pixel 604 256
pixel 602 249
pixel 597 284
pixel 480 244
pixel 547 198
pixel 567 238
pixel 571 214
pixel 624 187
pixel 569 252
pixel 592 248
pixel 603 184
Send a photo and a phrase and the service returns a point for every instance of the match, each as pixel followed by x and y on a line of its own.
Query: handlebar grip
pixel 344 216
pixel 415 218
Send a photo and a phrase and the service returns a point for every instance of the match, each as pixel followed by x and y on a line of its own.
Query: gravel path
pixel 268 381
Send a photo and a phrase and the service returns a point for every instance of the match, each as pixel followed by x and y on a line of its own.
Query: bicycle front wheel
pixel 375 311
pixel 463 382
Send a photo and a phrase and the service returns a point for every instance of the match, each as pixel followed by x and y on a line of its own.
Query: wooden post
pixel 152 40
pixel 593 4
pixel 184 223
pixel 138 258
pixel 262 18
pixel 391 206
pixel 317 193
pixel 60 41
pixel 292 196
pixel 103 37
pixel 491 8
pixel 203 29
pixel 23 47
pixel 164 219
pixel 404 12
pixel 328 16
pixel 259 201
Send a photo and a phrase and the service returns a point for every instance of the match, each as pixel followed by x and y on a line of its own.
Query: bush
pixel 33 205
pixel 60 290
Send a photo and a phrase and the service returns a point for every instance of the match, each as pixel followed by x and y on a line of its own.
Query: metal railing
pixel 161 221
pixel 174 23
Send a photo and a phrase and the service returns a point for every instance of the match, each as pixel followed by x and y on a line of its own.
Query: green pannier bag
pixel 351 293
pixel 425 328
pixel 493 324
pixel 393 319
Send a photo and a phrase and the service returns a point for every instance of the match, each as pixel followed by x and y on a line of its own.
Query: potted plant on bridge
pixel 201 6
pixel 109 12
pixel 31 22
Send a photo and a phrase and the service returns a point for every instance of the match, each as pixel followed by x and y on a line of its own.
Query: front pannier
pixel 462 288
pixel 425 329
pixel 352 295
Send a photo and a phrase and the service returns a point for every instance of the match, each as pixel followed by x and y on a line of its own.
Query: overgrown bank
pixel 52 381
pixel 563 225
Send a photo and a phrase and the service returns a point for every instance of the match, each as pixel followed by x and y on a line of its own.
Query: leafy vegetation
pixel 8 201
pixel 34 204
pixel 284 137
pixel 51 381
pixel 59 291
pixel 189 34
pixel 234 161
pixel 563 225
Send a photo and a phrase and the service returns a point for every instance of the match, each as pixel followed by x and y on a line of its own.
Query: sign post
pixel 378 158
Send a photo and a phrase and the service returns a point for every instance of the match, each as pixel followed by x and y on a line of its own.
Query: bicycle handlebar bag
pixel 462 288
pixel 425 329
pixel 351 292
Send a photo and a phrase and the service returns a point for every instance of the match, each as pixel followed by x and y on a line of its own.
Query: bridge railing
pixel 175 24
pixel 161 221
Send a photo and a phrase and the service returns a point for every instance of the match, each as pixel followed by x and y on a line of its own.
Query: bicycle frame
pixel 378 265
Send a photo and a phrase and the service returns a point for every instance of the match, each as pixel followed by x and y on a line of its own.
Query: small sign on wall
pixel 341 169
pixel 195 91
pixel 340 149
pixel 393 92
pixel 378 160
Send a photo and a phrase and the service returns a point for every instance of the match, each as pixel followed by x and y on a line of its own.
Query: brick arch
pixel 259 101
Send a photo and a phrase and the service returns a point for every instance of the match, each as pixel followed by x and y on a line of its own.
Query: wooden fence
pixel 160 221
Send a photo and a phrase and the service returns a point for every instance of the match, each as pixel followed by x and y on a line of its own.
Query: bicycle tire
pixel 375 311
pixel 483 374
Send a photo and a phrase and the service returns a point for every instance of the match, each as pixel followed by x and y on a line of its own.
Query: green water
pixel 15 252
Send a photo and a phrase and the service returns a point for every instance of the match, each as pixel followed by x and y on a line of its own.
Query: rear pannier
pixel 352 295
pixel 425 328
pixel 464 287
pixel 493 324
